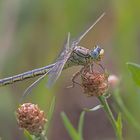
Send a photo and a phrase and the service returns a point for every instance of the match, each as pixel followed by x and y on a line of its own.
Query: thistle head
pixel 31 118
pixel 94 83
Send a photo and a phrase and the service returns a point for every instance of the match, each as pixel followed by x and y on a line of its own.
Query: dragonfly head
pixel 97 53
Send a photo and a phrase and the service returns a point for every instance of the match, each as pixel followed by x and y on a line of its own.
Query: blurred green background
pixel 32 33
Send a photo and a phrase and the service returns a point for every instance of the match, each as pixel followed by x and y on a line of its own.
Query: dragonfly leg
pixel 74 77
pixel 90 68
pixel 101 66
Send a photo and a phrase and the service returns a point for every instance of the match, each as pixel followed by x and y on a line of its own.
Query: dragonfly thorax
pixel 84 56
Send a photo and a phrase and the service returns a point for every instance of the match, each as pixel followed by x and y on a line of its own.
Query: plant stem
pixel 107 109
pixel 42 137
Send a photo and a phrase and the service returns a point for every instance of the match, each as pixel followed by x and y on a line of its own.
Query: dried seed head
pixel 94 83
pixel 31 118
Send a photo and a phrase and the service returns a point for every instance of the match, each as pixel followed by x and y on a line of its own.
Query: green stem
pixel 42 137
pixel 110 115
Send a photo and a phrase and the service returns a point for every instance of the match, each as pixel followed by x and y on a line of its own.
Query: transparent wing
pixel 55 73
pixel 57 69
pixel 29 89
pixel 63 50
pixel 84 34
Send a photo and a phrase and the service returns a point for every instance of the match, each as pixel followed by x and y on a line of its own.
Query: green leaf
pixel 50 113
pixel 71 130
pixel 135 71
pixel 119 125
pixel 28 136
pixel 81 123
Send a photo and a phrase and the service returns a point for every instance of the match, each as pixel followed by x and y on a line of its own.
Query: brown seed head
pixel 31 118
pixel 94 83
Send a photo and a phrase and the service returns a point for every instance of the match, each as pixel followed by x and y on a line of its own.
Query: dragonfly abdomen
pixel 25 75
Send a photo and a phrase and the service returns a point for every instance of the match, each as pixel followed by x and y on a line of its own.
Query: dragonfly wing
pixel 84 34
pixel 65 50
pixel 57 69
pixel 55 73
pixel 29 89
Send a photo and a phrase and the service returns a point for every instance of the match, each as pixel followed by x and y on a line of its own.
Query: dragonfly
pixel 71 55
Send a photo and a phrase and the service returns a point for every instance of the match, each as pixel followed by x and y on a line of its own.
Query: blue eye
pixel 98 49
pixel 94 54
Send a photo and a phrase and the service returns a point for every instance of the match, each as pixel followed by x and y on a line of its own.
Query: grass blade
pixel 128 115
pixel 119 124
pixel 71 130
pixel 81 123
pixel 50 113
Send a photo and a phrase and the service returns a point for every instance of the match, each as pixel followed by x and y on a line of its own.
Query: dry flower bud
pixel 31 118
pixel 94 83
pixel 113 81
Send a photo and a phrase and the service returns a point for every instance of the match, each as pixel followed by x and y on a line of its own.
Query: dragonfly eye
pixel 95 52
